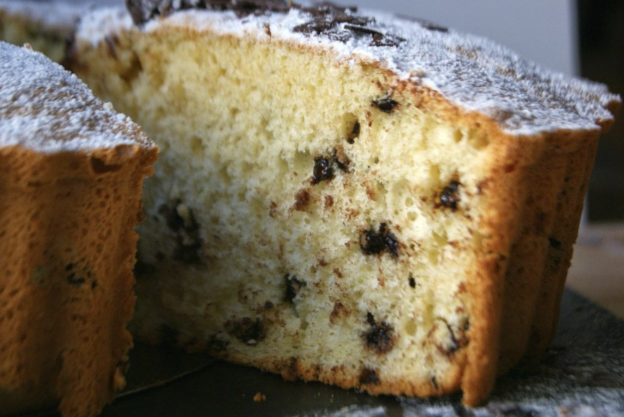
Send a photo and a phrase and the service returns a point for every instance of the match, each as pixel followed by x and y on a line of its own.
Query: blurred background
pixel 577 37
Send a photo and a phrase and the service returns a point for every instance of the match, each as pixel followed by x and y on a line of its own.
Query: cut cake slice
pixel 70 188
pixel 363 200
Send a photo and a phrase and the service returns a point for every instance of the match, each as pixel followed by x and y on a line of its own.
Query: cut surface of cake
pixel 372 202
pixel 70 186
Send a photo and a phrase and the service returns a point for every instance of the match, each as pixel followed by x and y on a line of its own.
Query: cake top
pixel 469 71
pixel 56 15
pixel 46 108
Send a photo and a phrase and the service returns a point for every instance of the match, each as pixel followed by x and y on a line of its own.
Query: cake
pixel 46 25
pixel 369 201
pixel 70 186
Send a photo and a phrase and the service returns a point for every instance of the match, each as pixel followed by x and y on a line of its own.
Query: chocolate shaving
pixel 379 39
pixel 144 10
pixel 336 22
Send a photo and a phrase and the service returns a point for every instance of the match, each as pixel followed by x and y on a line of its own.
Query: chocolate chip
pixel 355 132
pixel 450 196
pixel 185 230
pixel 385 104
pixel 293 286
pixel 380 338
pixel 75 279
pixel 372 242
pixel 369 377
pixel 457 338
pixel 246 330
pixel 412 282
pixel 554 243
pixel 434 382
pixel 323 170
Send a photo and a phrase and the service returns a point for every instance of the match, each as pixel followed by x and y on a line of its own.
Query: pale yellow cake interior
pixel 239 125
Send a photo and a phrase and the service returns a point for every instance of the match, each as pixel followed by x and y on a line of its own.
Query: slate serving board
pixel 582 374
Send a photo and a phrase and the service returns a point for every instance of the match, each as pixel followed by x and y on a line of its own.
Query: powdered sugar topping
pixel 471 72
pixel 44 107
pixel 53 16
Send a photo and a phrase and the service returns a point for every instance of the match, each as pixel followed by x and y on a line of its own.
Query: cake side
pixel 66 288
pixel 70 200
pixel 541 257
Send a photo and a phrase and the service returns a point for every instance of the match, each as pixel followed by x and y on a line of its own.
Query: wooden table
pixel 597 270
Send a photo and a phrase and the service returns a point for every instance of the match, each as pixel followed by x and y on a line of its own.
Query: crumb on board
pixel 259 397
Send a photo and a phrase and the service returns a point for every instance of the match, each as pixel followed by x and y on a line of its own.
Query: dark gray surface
pixel 582 374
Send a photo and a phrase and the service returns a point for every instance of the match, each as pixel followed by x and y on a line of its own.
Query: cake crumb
pixel 259 397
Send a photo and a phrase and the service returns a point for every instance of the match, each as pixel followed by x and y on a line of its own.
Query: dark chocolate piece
pixel 369 377
pixel 554 243
pixel 355 132
pixel 246 330
pixel 385 104
pixel 331 20
pixel 293 286
pixel 380 337
pixel 145 10
pixel 322 170
pixel 372 242
pixel 450 196
pixel 75 279
pixel 186 232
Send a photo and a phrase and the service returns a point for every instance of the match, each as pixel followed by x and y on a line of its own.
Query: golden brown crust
pixel 66 284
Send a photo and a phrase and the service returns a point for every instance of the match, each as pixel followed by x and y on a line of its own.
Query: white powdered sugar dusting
pixel 54 16
pixel 45 108
pixel 471 72
pixel 94 27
